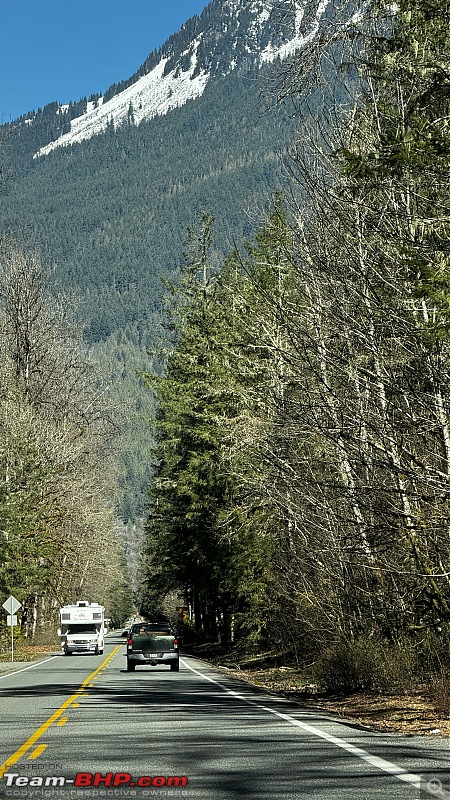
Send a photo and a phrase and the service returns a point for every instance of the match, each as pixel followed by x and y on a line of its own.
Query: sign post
pixel 11 605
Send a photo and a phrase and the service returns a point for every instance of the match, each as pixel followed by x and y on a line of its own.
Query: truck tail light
pixel 130 642
pixel 175 642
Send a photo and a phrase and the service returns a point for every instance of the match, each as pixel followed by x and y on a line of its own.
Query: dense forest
pixel 301 498
pixel 59 534
pixel 99 226
pixel 112 215
pixel 112 212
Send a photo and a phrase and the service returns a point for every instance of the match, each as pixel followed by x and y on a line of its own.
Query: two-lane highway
pixel 82 727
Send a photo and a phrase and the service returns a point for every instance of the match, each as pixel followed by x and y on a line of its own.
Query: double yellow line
pixel 81 692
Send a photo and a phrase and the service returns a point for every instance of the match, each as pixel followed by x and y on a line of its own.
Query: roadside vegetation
pixel 59 536
pixel 302 495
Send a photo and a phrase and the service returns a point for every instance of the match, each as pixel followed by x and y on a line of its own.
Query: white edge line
pixel 35 664
pixel 375 761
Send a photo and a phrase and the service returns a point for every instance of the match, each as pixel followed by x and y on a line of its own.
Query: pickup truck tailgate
pixel 153 643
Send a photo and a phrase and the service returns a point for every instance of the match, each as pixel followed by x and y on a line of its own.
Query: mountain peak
pixel 228 35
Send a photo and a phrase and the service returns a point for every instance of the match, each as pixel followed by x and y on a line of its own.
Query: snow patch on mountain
pixel 299 40
pixel 153 94
pixel 179 77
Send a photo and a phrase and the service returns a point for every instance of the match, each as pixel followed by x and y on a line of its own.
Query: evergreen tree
pixel 213 511
pixel 191 490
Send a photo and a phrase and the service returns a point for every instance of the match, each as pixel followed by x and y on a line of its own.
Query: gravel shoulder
pixel 411 713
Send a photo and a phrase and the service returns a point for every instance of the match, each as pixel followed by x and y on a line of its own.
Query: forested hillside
pixel 100 225
pixel 112 213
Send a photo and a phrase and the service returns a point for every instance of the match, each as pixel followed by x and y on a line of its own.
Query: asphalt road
pixel 84 720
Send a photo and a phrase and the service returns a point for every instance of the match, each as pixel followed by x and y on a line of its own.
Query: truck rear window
pixel 152 627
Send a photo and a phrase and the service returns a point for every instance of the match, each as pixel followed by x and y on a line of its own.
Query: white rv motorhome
pixel 82 628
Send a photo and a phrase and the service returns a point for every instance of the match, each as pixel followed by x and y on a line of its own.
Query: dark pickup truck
pixel 152 643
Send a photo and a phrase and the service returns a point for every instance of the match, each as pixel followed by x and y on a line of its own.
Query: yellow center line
pixel 55 716
pixel 37 752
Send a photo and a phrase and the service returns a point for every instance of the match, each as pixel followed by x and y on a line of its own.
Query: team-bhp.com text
pixel 96 779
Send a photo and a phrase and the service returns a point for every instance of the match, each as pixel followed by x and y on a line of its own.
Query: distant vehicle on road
pixel 152 643
pixel 128 624
pixel 82 628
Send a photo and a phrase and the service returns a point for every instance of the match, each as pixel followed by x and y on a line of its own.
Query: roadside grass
pixel 28 652
pixel 415 709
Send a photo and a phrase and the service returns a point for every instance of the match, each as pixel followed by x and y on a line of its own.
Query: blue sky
pixel 55 50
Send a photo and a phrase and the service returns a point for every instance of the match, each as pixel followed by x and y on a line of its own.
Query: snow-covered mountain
pixel 188 131
pixel 228 35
